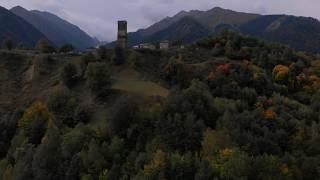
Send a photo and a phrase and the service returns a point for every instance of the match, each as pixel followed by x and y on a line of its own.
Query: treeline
pixel 43 46
pixel 239 108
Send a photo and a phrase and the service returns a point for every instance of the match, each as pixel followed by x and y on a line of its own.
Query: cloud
pixel 99 17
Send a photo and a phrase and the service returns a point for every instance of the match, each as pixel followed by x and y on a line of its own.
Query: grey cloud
pixel 98 17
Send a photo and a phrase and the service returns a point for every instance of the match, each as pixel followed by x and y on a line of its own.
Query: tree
pixel 205 172
pixel 7 44
pixel 156 168
pixel 93 159
pixel 68 74
pixel 74 169
pixel 63 105
pixel 85 60
pixel 124 113
pixel 197 100
pixel 23 166
pixel 212 142
pixel 44 46
pixel 34 122
pixel 47 158
pixel 280 73
pixel 66 48
pixel 98 78
pixel 103 53
pixel 21 46
pixel 182 166
pixel 73 142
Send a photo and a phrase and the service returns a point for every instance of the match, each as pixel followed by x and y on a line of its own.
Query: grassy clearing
pixel 129 80
pixel 146 88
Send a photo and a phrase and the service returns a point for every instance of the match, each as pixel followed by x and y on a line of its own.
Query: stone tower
pixel 122 34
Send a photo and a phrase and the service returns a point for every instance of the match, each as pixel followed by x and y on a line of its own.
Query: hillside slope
pixel 301 33
pixel 56 29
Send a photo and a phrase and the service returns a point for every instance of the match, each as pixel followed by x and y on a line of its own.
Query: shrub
pixel 63 105
pixel 44 46
pixel 7 44
pixel 98 78
pixel 68 74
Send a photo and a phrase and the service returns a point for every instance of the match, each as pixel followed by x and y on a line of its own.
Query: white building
pixel 144 46
pixel 164 44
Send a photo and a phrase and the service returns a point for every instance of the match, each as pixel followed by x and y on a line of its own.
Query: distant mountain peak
pixel 217 8
pixel 181 14
pixel 18 8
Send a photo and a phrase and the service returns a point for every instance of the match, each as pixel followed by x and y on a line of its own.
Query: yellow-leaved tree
pixel 280 73
pixel 34 122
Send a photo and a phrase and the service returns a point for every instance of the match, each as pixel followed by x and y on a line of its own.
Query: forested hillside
pixel 225 107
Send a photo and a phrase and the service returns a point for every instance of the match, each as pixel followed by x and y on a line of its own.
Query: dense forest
pixel 236 107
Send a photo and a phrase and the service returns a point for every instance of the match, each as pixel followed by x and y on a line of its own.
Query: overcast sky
pixel 98 17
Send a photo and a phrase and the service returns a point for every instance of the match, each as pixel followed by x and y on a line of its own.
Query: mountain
pixel 56 29
pixel 170 27
pixel 186 29
pixel 301 33
pixel 18 29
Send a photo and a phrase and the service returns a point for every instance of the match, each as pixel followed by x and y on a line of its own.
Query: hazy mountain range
pixel 302 33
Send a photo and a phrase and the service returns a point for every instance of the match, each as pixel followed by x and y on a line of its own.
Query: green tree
pixel 63 105
pixel 205 172
pixel 74 169
pixel 68 74
pixel 21 46
pixel 74 141
pixel 98 78
pixel 93 159
pixel 7 44
pixel 23 163
pixel 123 113
pixel 66 48
pixel 85 60
pixel 44 46
pixel 47 159
pixel 103 53
pixel 196 100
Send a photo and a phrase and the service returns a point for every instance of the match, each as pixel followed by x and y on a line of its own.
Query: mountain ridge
pixel 58 30
pixel 301 33
pixel 17 29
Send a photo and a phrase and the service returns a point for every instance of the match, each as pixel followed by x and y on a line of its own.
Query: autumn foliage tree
pixel 44 46
pixel 224 69
pixel 34 122
pixel 280 73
